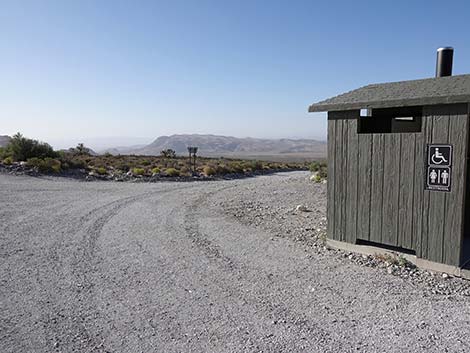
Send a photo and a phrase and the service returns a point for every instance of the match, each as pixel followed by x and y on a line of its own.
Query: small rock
pixel 301 208
pixel 445 275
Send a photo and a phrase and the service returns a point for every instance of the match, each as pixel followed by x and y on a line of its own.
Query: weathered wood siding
pixel 342 169
pixel 444 212
pixel 376 185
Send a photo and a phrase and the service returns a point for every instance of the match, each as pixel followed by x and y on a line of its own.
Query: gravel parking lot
pixel 223 266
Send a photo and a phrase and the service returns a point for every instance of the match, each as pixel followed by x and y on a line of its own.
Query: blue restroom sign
pixel 439 167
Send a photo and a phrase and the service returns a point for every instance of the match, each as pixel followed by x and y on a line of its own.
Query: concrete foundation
pixel 418 262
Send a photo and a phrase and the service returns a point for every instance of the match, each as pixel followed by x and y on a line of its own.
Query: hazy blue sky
pixel 84 69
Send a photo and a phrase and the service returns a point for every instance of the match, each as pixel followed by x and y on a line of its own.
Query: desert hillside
pixel 227 146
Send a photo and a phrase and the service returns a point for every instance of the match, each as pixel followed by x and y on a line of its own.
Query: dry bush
pixel 208 170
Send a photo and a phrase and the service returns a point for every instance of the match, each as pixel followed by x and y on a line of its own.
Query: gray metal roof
pixel 430 91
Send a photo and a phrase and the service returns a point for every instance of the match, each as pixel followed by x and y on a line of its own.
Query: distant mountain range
pixel 4 140
pixel 227 146
pixel 224 146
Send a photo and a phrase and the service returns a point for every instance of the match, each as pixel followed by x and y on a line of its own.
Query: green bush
pixel 256 165
pixel 319 169
pixel 101 170
pixel 316 166
pixel 172 172
pixel 235 167
pixel 46 165
pixel 8 161
pixel 22 148
pixel 145 162
pixel 138 171
pixel 53 165
pixel 155 170
pixel 323 173
pixel 4 153
pixel 316 178
pixel 34 162
pixel 76 163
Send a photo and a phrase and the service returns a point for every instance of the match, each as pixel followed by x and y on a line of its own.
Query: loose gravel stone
pixel 223 266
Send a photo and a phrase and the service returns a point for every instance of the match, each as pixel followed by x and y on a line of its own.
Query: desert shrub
pixel 247 170
pixel 319 169
pixel 172 172
pixel 53 165
pixel 185 170
pixel 8 161
pixel 208 170
pixel 168 153
pixel 316 166
pixel 235 167
pixel 3 153
pixel 221 169
pixel 323 173
pixel 34 162
pixel 76 163
pixel 101 170
pixel 46 165
pixel 316 177
pixel 145 162
pixel 123 166
pixel 23 148
pixel 156 170
pixel 256 165
pixel 138 171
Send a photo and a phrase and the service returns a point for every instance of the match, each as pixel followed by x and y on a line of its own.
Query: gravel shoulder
pixel 223 266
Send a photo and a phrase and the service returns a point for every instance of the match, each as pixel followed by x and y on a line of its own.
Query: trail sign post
pixel 192 158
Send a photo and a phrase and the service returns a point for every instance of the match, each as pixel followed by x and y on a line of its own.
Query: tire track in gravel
pixel 262 304
pixel 201 240
pixel 68 322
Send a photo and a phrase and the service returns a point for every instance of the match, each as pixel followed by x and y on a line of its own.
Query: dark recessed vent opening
pixel 386 247
pixel 391 120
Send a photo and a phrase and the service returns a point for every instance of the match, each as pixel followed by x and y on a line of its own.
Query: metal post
pixel 195 151
pixel 192 161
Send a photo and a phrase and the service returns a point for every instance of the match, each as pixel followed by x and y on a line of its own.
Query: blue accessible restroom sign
pixel 439 167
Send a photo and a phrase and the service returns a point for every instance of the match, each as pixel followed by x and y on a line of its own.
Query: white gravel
pixel 226 266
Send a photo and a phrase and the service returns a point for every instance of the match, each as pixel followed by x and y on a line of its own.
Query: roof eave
pixel 326 107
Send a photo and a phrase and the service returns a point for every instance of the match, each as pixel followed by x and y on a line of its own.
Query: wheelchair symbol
pixel 437 158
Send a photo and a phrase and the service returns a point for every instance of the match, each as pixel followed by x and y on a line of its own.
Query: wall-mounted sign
pixel 439 167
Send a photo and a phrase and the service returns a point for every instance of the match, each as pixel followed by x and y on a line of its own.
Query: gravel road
pixel 224 266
